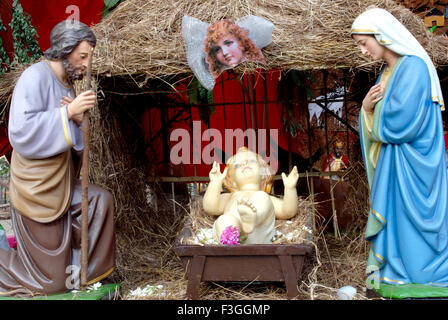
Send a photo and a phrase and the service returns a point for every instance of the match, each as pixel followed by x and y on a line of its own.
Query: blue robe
pixel 408 220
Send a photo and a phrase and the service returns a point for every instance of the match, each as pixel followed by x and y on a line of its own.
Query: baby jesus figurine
pixel 248 206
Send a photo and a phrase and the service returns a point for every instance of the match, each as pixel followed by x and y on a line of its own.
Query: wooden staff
pixel 85 183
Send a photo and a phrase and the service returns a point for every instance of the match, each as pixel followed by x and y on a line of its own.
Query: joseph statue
pixel 45 131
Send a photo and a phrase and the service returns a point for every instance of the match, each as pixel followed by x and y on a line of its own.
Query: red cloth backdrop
pixel 44 16
pixel 229 117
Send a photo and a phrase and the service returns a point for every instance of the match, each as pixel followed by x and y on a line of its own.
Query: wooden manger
pixel 275 262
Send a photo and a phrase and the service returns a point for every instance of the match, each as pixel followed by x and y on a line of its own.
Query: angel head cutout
pixel 211 49
pixel 227 45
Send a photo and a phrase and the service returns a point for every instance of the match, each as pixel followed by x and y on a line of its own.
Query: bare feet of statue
pixel 248 214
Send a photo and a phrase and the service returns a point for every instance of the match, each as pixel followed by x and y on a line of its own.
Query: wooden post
pixel 313 209
pixel 337 234
pixel 195 276
pixel 85 184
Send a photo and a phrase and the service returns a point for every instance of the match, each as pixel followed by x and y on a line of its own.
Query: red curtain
pixel 234 115
pixel 46 14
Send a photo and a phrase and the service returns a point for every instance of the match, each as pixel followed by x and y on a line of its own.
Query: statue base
pixel 106 292
pixel 409 291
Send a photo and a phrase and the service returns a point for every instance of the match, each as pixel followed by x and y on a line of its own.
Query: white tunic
pixel 38 123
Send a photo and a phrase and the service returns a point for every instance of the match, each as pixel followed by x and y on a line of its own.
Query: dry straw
pixel 144 36
pixel 143 39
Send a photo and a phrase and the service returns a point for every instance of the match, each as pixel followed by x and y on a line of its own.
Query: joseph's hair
pixel 66 36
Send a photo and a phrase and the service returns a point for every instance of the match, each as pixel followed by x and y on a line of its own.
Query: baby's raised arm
pixel 214 202
pixel 286 208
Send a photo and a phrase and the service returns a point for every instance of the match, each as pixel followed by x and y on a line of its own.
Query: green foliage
pixel 301 79
pixel 4 59
pixel 292 79
pixel 198 95
pixel 26 48
pixel 109 6
pixel 291 126
pixel 4 167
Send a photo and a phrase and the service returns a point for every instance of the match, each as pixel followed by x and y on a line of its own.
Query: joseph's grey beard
pixel 71 74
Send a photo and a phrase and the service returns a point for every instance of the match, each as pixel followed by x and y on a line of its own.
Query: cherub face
pixel 228 51
pixel 246 169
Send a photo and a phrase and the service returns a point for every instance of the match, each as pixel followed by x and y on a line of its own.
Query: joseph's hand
pixel 82 103
pixel 65 101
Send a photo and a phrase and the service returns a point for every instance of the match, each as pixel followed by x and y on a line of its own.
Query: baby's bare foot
pixel 248 214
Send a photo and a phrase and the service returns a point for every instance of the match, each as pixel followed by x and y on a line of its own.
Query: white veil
pixel 390 33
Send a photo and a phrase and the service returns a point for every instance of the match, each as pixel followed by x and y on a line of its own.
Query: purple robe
pixel 47 258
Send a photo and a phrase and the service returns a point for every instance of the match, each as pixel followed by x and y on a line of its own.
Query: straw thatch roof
pixel 144 36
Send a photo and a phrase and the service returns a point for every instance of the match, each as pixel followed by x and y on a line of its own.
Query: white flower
pixel 305 228
pixel 146 291
pixel 206 236
pixel 149 195
pixel 277 235
pixel 95 286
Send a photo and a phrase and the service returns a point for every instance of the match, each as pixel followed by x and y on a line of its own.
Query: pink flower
pixel 12 241
pixel 230 236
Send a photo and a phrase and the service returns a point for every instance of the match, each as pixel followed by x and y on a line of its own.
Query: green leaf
pixel 295 77
pixel 204 115
pixel 26 48
pixel 211 100
pixel 198 95
pixel 110 3
pixel 109 6
pixel 297 125
pixel 192 91
pixel 202 93
pixel 4 166
pixel 4 59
